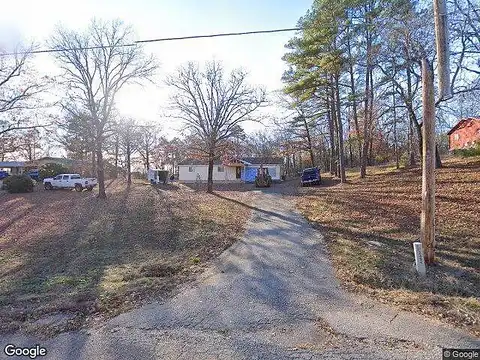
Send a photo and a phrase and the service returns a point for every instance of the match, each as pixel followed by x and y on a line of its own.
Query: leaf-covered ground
pixel 69 253
pixel 370 225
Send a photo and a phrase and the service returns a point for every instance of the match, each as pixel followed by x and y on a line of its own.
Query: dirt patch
pixel 70 254
pixel 370 225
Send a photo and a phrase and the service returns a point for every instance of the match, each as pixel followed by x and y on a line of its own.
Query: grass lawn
pixel 69 253
pixel 370 225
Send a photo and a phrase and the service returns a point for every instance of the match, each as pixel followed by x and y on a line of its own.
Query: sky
pixel 260 55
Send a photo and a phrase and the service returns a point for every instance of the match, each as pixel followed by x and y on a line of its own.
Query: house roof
pixel 245 160
pixel 46 159
pixel 199 162
pixel 11 164
pixel 263 160
pixel 462 123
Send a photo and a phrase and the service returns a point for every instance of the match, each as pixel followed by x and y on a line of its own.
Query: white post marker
pixel 419 258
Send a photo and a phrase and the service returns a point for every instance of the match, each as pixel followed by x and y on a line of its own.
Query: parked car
pixel 311 176
pixel 69 181
pixel 33 174
pixel 3 174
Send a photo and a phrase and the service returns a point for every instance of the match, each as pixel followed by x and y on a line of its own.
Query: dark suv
pixel 311 176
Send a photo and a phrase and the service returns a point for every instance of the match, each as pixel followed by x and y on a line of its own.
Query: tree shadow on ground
pixel 386 263
pixel 221 187
pixel 283 217
pixel 91 256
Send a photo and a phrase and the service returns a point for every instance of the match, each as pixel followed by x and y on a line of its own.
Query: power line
pixel 43 51
pixel 218 35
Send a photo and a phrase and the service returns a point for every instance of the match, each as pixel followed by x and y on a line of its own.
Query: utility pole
pixel 428 164
pixel 428 126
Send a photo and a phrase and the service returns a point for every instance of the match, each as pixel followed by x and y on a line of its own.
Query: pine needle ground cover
pixel 370 225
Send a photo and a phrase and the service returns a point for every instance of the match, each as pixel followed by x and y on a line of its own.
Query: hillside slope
pixel 370 225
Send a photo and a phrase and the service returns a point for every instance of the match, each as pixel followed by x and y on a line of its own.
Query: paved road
pixel 271 296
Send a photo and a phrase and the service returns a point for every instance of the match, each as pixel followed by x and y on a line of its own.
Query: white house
pixel 238 170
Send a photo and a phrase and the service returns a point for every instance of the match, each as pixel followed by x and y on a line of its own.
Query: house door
pixel 238 172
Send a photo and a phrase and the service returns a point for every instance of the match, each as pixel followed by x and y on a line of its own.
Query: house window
pixel 220 169
pixel 456 137
pixel 191 168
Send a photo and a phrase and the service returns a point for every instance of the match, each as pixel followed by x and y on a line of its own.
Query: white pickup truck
pixel 69 181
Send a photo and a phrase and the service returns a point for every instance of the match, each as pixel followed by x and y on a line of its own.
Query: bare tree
pixel 213 106
pixel 263 144
pixel 19 90
pixel 97 64
pixel 168 153
pixel 149 139
pixel 130 138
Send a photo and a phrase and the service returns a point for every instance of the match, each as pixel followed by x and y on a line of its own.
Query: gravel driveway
pixel 270 296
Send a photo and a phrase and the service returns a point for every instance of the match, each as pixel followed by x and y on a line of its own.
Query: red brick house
pixel 465 134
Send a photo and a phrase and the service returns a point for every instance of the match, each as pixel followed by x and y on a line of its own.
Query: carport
pixel 15 167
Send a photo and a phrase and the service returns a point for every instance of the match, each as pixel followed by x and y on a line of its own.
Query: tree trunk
pixel 363 162
pixel 147 158
pixel 395 136
pixel 332 137
pixel 29 150
pixel 350 150
pixel 370 151
pixel 438 159
pixel 129 169
pixel 411 153
pixel 412 115
pixel 94 164
pixel 210 172
pixel 366 117
pixel 335 130
pixel 116 156
pixel 286 160
pixel 354 102
pixel 370 117
pixel 309 141
pixel 341 155
pixel 100 171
